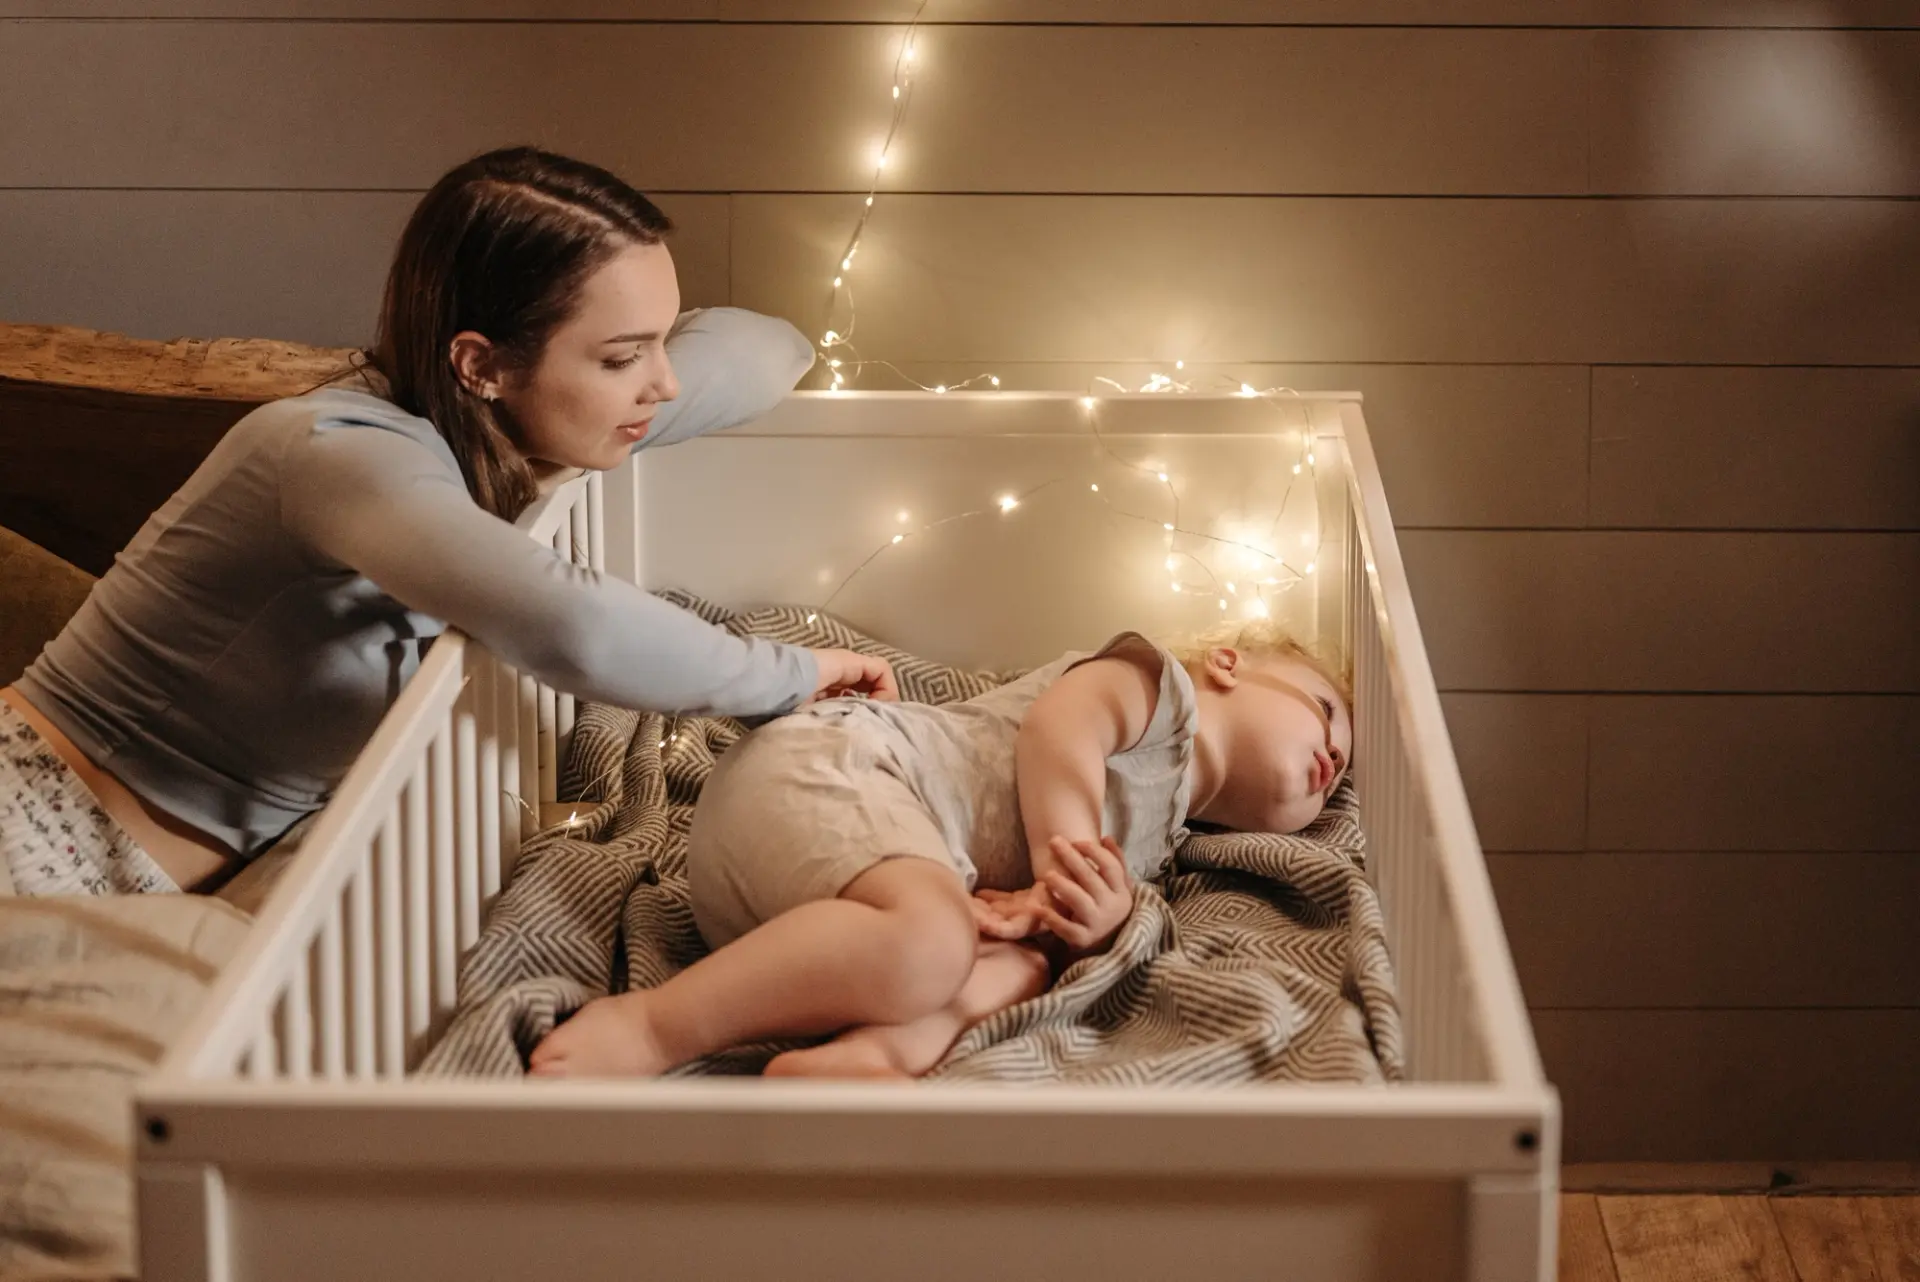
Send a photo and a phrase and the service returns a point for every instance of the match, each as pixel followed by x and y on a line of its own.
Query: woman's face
pixel 592 394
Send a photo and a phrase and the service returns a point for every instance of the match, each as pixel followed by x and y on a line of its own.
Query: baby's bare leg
pixel 1004 975
pixel 896 945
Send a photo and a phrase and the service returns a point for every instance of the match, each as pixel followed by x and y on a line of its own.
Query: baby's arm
pixel 1090 713
pixel 1080 882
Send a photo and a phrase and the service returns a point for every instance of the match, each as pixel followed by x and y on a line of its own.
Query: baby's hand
pixel 1090 893
pixel 1008 914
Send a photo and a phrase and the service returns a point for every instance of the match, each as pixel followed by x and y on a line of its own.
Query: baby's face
pixel 1287 737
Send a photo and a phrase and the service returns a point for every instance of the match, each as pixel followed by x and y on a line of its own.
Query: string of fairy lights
pixel 1266 569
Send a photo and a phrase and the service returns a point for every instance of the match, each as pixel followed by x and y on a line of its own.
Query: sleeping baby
pixel 894 873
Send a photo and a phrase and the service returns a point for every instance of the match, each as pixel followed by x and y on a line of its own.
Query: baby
pixel 896 872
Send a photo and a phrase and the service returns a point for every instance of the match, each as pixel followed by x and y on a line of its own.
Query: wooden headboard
pixel 97 430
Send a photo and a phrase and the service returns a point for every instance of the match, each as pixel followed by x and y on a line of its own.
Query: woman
pixel 221 678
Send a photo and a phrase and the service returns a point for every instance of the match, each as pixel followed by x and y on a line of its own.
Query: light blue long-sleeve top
pixel 240 651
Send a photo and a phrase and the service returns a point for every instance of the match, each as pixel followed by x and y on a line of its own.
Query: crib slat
pixel 360 995
pixel 580 538
pixel 415 854
pixel 260 1058
pixel 549 747
pixel 513 825
pixel 296 1029
pixel 393 1046
pixel 446 950
pixel 486 704
pixel 530 749
pixel 333 1015
pixel 467 824
pixel 597 522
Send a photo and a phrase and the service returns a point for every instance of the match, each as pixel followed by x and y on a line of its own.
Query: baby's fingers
pixel 1071 896
pixel 1077 858
pixel 1070 933
pixel 1112 864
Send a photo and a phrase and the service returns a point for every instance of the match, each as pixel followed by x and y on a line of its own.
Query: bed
pixel 287 1135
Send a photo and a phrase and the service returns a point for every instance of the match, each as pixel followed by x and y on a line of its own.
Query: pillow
pixel 92 990
pixel 42 592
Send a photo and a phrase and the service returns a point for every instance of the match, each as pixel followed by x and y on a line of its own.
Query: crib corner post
pixel 1513 1227
pixel 182 1223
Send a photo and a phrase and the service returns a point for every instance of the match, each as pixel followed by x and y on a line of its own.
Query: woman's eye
pixel 622 364
pixel 1328 705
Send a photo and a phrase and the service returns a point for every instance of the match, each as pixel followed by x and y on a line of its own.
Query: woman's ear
pixel 1223 667
pixel 475 365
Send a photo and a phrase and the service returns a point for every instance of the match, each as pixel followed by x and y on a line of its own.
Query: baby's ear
pixel 1223 667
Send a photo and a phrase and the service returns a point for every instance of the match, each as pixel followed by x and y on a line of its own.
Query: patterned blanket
pixel 1253 957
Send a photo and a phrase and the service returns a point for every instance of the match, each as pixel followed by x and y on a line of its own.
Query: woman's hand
pixel 1090 893
pixel 844 672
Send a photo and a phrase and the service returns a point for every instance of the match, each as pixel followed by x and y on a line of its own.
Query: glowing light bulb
pixel 1269 582
pixel 1223 603
pixel 1168 525
pixel 880 161
pixel 663 743
pixel 1309 458
pixel 901 516
pixel 898 537
pixel 994 379
pixel 1176 587
pixel 1232 589
pixel 1171 563
pixel 1369 567
pixel 836 282
pixel 1094 488
pixel 573 819
pixel 1309 567
pixel 1246 389
pixel 846 263
pixel 1258 609
pixel 834 363
pixel 832 336
pixel 869 202
pixel 942 389
pixel 1086 402
pixel 1296 469
pixel 1179 364
pixel 1008 502
pixel 812 617
pixel 909 52
pixel 1161 475
pixel 896 91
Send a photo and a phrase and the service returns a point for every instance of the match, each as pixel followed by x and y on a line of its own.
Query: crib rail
pixel 1460 999
pixel 352 969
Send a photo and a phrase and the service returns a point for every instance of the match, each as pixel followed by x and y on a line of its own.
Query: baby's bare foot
pixel 851 1055
pixel 608 1037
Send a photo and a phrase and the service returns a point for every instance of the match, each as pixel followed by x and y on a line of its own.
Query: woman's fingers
pixel 1112 864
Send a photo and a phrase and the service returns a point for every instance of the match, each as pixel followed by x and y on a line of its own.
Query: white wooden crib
pixel 281 1138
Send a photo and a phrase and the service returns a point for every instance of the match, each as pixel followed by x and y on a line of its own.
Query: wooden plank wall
pixel 1632 286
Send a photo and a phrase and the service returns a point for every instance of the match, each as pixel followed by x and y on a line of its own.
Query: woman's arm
pixel 371 499
pixel 733 365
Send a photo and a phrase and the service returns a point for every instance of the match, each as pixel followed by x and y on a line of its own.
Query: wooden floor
pixel 1705 1238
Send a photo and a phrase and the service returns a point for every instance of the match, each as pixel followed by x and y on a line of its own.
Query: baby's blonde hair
pixel 1266 638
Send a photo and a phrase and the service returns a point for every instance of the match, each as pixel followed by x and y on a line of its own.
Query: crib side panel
pixel 853 1230
pixel 1460 1001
